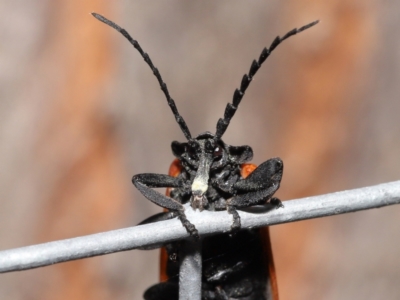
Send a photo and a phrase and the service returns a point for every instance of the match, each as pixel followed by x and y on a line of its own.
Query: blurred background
pixel 80 113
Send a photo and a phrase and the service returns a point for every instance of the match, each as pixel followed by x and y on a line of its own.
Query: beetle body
pixel 238 266
pixel 210 178
pixel 210 174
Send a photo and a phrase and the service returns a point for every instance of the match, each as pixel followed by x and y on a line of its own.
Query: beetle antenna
pixel 146 57
pixel 231 108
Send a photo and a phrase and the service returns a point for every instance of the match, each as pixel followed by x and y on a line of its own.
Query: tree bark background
pixel 80 113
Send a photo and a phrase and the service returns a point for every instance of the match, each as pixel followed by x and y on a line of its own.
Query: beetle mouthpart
pixel 198 201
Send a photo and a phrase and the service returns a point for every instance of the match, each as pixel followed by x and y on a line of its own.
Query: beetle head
pixel 215 151
pixel 206 154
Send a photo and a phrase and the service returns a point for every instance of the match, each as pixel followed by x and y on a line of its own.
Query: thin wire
pixel 190 270
pixel 151 235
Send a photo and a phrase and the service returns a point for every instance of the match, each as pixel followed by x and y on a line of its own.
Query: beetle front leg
pixel 260 185
pixel 145 182
pixel 257 188
pixel 236 225
pixel 265 175
pixel 276 202
pixel 250 199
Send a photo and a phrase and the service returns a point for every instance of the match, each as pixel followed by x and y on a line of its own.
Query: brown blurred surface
pixel 81 113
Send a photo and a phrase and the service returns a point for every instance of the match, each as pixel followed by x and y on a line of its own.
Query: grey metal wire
pixel 151 235
pixel 190 270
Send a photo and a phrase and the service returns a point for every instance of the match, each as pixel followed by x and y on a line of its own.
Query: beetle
pixel 210 174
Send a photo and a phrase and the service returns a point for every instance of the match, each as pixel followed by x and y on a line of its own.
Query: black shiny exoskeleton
pixel 233 268
pixel 210 178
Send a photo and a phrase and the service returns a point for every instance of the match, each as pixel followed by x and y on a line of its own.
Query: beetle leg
pixel 260 185
pixel 158 180
pixel 250 199
pixel 190 228
pixel 163 216
pixel 226 182
pixel 257 188
pixel 264 176
pixel 276 202
pixel 253 198
pixel 145 182
pixel 235 227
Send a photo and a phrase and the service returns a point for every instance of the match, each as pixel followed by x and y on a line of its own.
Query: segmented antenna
pixel 171 102
pixel 231 108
